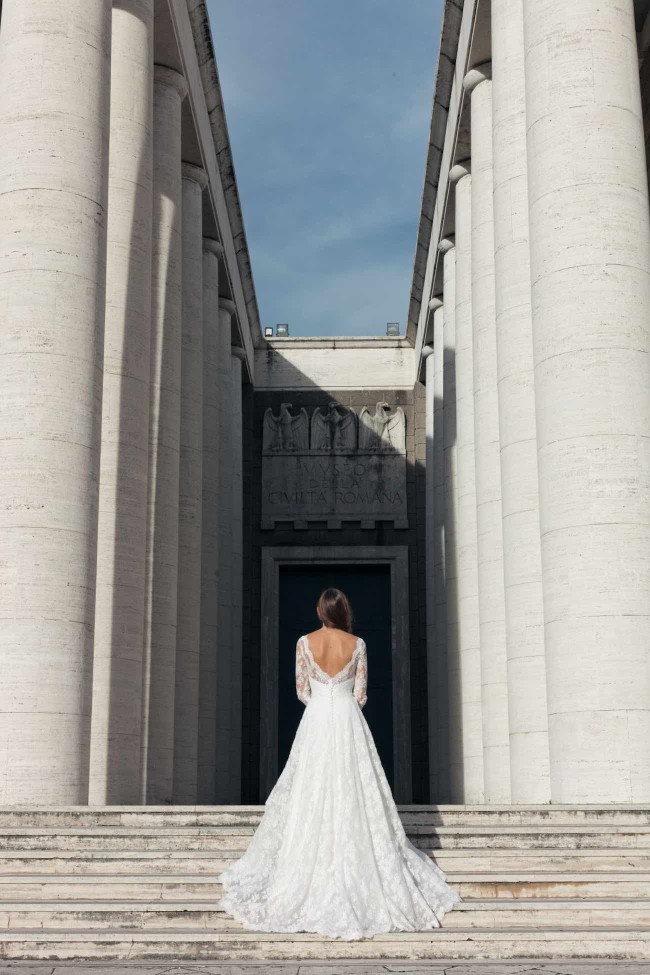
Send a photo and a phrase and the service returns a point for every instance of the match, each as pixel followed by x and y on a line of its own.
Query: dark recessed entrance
pixel 368 588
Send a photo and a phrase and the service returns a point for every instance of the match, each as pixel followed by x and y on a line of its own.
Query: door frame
pixel 395 556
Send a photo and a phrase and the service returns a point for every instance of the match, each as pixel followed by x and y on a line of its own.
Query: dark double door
pixel 368 589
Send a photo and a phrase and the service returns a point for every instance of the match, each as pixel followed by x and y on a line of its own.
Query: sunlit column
pixel 450 502
pixel 164 441
pixel 188 630
pixel 119 605
pixel 436 598
pixel 590 255
pixel 467 559
pixel 522 560
pixel 430 580
pixel 439 556
pixel 494 678
pixel 54 121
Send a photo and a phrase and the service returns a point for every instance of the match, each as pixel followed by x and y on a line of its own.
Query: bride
pixel 330 854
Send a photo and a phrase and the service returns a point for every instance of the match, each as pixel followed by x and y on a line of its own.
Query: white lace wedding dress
pixel 330 854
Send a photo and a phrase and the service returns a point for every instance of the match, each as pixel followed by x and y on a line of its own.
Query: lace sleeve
pixel 361 677
pixel 303 688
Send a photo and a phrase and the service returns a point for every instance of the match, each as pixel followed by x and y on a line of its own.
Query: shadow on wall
pixel 443 748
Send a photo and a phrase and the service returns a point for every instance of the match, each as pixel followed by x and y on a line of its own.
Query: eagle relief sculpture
pixel 285 433
pixel 333 430
pixel 384 432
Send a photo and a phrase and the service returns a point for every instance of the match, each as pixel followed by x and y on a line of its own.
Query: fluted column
pixel 450 503
pixel 119 604
pixel 494 678
pixel 522 561
pixel 237 581
pixel 225 546
pixel 188 629
pixel 590 255
pixel 468 607
pixel 216 346
pixel 54 111
pixel 164 441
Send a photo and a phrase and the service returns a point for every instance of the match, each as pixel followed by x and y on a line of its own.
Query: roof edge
pixel 450 32
pixel 200 21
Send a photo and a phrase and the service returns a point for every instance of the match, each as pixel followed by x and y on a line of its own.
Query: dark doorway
pixel 368 589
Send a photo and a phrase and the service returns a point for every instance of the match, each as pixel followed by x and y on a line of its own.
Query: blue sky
pixel 328 106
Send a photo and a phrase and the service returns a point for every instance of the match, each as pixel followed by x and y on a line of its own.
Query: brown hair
pixel 334 609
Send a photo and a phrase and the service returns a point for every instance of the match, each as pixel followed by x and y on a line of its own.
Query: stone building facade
pixel 175 488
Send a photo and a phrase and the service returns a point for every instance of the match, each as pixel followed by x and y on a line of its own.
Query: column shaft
pixel 213 352
pixel 188 631
pixel 431 583
pixel 522 561
pixel 225 545
pixel 468 606
pixel 237 582
pixel 450 501
pixel 54 111
pixel 494 680
pixel 164 442
pixel 119 604
pixel 590 254
pixel 439 559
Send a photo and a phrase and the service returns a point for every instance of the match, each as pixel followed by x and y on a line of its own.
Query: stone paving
pixel 583 967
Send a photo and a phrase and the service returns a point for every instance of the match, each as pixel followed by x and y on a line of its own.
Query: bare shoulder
pixel 345 641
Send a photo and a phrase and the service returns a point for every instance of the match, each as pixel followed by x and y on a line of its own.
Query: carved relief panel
pixel 334 466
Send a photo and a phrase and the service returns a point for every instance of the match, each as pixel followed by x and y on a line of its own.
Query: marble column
pixel 439 557
pixel 164 441
pixel 467 559
pixel 188 625
pixel 54 115
pixel 590 254
pixel 431 583
pixel 237 579
pixel 450 503
pixel 522 561
pixel 122 522
pixel 487 448
pixel 436 621
pixel 216 346
pixel 225 549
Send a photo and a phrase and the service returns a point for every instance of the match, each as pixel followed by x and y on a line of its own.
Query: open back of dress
pixel 330 854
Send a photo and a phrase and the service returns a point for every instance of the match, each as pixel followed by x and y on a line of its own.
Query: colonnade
pixel 544 403
pixel 120 419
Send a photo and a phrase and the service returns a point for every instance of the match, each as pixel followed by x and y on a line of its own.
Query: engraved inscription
pixel 350 469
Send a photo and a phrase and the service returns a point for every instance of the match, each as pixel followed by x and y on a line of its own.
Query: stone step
pixel 228 837
pixel 176 816
pixel 212 861
pixel 482 885
pixel 114 915
pixel 456 943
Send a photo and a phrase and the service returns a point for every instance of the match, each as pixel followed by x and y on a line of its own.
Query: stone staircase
pixel 135 882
